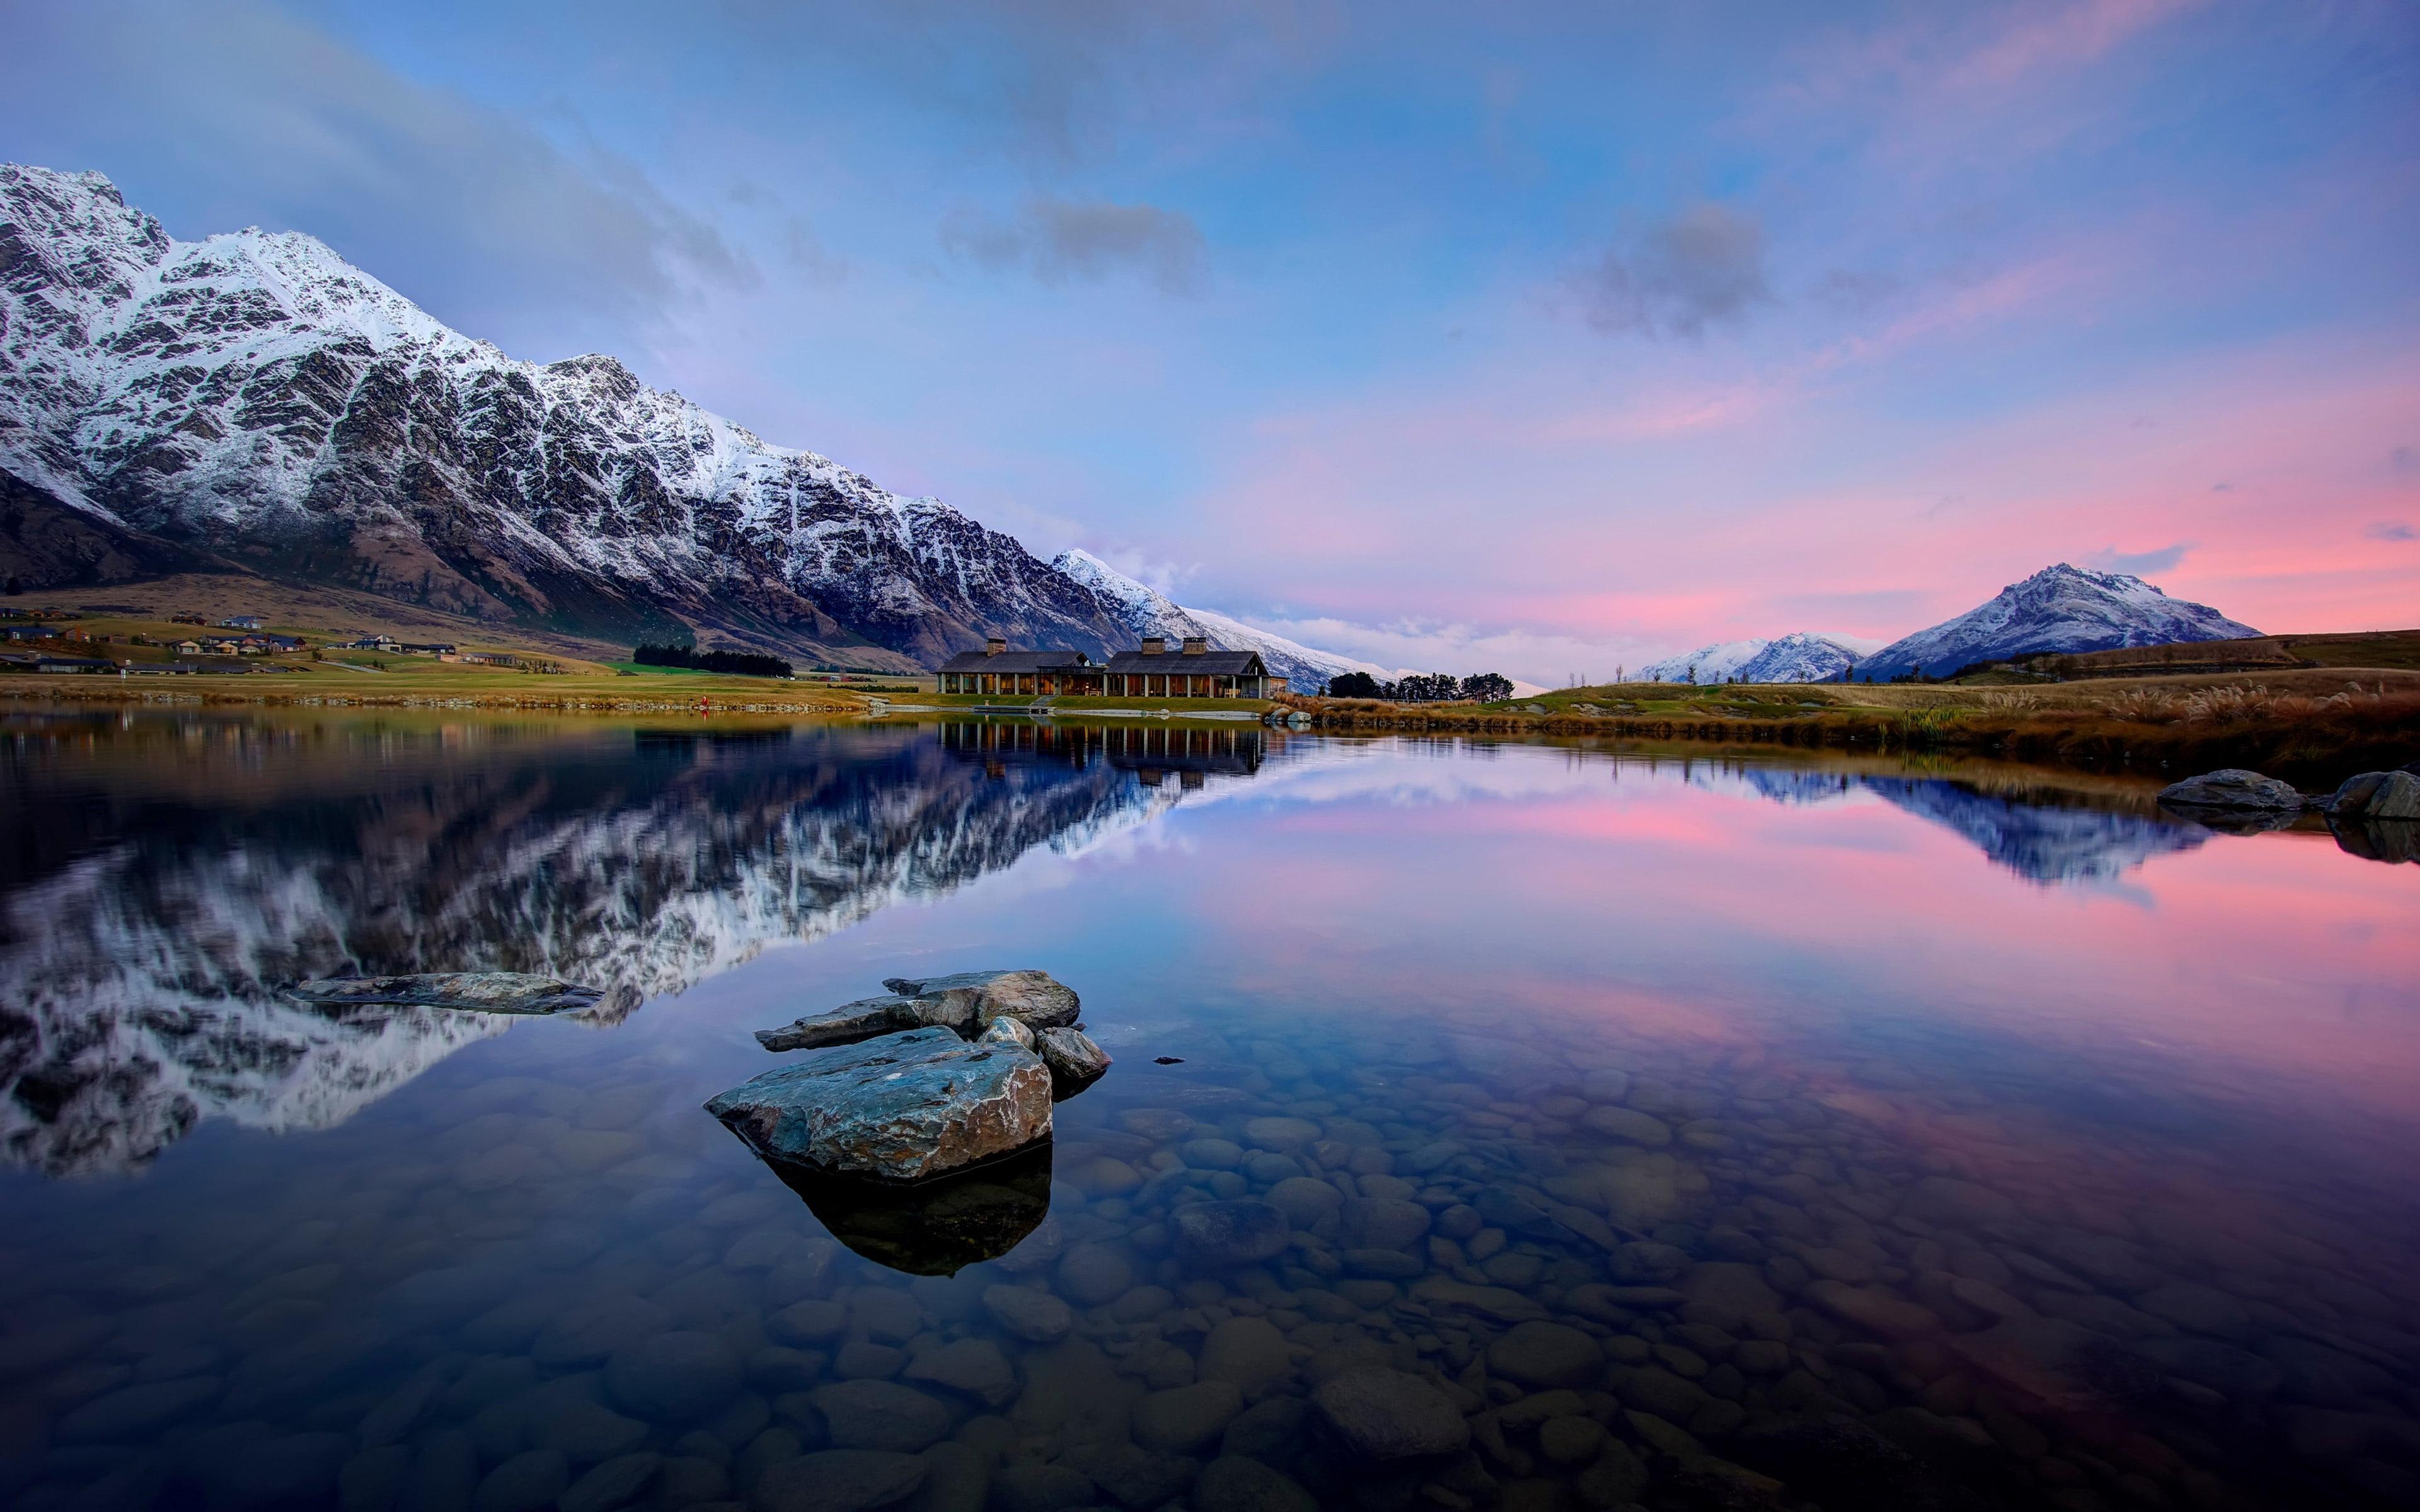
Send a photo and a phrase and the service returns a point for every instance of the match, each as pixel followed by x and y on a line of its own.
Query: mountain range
pixel 254 403
pixel 1800 657
pixel 2059 608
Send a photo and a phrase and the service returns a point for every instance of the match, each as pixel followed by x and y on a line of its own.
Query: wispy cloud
pixel 2109 559
pixel 1061 242
pixel 2391 530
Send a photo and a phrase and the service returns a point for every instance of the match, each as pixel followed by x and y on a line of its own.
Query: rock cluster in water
pixel 944 1073
pixel 480 991
pixel 2375 814
pixel 2232 788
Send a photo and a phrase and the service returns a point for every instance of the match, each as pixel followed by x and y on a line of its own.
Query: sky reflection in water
pixel 1962 1041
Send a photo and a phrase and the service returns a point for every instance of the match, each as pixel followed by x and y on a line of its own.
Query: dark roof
pixel 1015 661
pixel 1216 663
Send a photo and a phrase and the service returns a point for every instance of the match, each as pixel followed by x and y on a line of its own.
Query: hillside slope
pixel 256 394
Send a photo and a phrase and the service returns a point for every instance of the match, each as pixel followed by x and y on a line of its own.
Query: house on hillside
pixel 1192 671
pixel 443 651
pixel 243 622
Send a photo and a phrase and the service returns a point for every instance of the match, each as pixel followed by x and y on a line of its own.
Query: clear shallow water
pixel 1703 1135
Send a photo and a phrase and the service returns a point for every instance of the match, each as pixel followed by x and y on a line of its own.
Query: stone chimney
pixel 994 645
pixel 1155 645
pixel 1197 645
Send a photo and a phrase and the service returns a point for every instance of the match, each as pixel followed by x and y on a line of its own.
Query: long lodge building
pixel 1191 671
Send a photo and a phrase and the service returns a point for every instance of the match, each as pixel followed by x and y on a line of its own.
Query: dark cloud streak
pixel 1701 269
pixel 1061 242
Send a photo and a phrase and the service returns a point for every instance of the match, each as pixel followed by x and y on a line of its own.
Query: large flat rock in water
pixel 1031 997
pixel 898 1109
pixel 483 992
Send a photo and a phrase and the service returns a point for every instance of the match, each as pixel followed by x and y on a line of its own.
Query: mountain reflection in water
pixel 1910 1136
pixel 172 875
pixel 176 875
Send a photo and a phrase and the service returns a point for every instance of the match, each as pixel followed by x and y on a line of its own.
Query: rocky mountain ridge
pixel 254 401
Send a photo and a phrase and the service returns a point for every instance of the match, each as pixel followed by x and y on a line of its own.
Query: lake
pixel 1651 1129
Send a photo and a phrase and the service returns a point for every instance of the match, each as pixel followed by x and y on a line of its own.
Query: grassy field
pixel 2312 726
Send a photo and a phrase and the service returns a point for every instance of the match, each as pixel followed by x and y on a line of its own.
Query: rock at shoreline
pixel 479 992
pixel 899 1108
pixel 1031 997
pixel 2377 795
pixel 1074 1061
pixel 2232 788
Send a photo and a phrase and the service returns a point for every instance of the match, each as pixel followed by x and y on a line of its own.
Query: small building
pixel 443 651
pixel 371 641
pixel 74 664
pixel 491 658
pixel 268 645
pixel 159 669
pixel 30 632
pixel 1191 671
pixel 243 622
pixel 188 648
pixel 997 670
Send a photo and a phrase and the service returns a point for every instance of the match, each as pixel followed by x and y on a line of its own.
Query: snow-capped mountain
pixel 1146 610
pixel 256 397
pixel 2064 607
pixel 1800 656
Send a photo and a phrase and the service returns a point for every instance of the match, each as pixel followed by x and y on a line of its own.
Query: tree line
pixel 737 663
pixel 1422 687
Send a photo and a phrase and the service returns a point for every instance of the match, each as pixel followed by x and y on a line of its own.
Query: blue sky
pixel 1544 338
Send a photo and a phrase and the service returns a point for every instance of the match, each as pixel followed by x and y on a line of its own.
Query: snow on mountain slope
pixel 2062 607
pixel 1145 611
pixel 1141 609
pixel 256 394
pixel 1800 656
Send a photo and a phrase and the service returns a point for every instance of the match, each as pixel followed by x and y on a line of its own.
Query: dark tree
pixel 1354 686
pixel 736 663
pixel 1486 688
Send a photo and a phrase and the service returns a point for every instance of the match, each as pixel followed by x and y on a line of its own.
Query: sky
pixel 1546 339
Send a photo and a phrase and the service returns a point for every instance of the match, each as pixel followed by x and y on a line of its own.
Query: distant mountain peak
pixel 2063 608
pixel 1800 656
